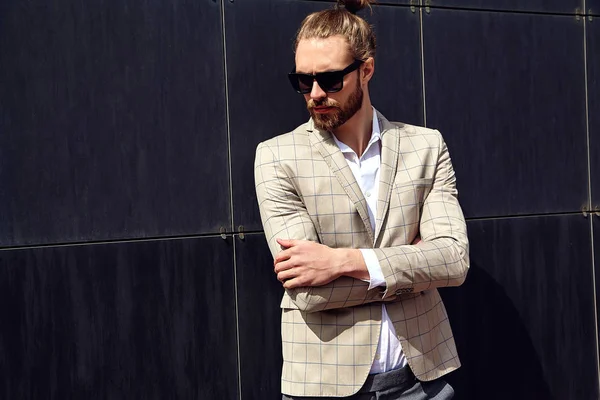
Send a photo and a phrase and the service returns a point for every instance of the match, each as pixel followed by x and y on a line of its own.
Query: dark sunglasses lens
pixel 301 83
pixel 305 83
pixel 330 82
pixel 293 81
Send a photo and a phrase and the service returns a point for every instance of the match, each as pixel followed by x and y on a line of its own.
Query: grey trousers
pixel 399 384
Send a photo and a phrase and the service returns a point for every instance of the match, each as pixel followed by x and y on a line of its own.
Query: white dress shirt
pixel 389 355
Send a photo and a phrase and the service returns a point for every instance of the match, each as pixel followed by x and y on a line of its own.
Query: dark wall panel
pixel 507 92
pixel 593 57
pixel 596 247
pixel 146 320
pixel 259 296
pixel 262 104
pixel 112 120
pixel 524 319
pixel 260 38
pixel 397 86
pixel 554 6
pixel 399 2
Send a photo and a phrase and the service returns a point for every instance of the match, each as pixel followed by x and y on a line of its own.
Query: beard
pixel 339 115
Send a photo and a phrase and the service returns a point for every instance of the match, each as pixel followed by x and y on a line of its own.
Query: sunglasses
pixel 330 82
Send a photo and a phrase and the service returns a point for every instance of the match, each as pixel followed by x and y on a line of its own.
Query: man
pixel 362 218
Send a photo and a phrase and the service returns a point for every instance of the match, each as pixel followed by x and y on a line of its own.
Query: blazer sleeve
pixel 284 215
pixel 442 257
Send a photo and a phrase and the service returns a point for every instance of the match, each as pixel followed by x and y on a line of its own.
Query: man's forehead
pixel 319 55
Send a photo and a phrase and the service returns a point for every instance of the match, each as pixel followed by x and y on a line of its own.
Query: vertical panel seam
pixel 228 128
pixel 589 165
pixel 595 302
pixel 422 40
pixel 227 114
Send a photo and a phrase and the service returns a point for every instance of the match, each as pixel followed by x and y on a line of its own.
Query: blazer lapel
pixel 390 142
pixel 325 145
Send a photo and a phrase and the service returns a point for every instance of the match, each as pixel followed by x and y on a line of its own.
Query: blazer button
pixel 404 291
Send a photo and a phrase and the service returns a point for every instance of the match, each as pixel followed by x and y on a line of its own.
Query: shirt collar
pixel 375 136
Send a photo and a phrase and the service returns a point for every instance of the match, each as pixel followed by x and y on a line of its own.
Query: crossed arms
pixel 317 277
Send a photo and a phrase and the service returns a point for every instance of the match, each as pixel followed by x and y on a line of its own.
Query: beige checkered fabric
pixel 306 190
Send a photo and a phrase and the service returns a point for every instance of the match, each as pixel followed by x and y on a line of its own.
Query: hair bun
pixel 354 6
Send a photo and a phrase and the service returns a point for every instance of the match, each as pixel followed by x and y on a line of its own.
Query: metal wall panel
pixel 262 104
pixel 524 319
pixel 593 69
pixel 379 2
pixel 551 6
pixel 596 249
pixel 397 86
pixel 112 120
pixel 139 320
pixel 507 92
pixel 259 295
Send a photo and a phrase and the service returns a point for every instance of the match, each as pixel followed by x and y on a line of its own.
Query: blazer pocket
pixel 414 184
pixel 413 193
pixel 405 209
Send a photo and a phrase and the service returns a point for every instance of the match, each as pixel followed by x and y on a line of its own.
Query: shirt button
pixel 368 194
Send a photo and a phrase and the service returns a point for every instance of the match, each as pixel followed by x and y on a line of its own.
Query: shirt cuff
pixel 375 272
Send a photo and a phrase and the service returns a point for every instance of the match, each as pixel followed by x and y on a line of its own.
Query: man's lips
pixel 322 109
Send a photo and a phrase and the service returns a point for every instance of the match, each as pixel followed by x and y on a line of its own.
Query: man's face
pixel 329 110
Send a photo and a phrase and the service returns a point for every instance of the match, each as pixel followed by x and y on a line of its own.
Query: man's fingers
pixel 283 256
pixel 292 283
pixel 286 275
pixel 286 243
pixel 283 266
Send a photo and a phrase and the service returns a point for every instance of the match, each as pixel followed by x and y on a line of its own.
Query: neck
pixel 356 132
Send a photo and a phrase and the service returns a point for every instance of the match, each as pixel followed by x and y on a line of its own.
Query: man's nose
pixel 317 93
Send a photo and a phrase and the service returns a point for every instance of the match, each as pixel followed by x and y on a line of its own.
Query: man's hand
pixel 306 263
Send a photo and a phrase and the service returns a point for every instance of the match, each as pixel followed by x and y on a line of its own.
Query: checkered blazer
pixel 306 190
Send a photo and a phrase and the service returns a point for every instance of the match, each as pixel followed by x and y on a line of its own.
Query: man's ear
pixel 367 70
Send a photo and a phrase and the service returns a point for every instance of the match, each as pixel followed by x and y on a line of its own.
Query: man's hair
pixel 343 21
